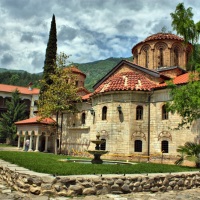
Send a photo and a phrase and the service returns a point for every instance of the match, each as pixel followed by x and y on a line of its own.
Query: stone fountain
pixel 97 152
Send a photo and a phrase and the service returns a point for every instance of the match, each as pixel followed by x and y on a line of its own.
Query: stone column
pixel 37 143
pixel 46 143
pixel 31 143
pixel 18 144
pixel 24 142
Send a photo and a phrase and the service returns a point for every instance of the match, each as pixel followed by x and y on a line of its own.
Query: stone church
pixel 127 107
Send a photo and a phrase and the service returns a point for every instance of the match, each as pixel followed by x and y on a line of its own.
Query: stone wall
pixel 96 185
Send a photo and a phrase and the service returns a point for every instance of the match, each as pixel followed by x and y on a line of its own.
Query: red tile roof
pixel 36 120
pixel 22 90
pixel 163 36
pixel 126 81
pixel 159 36
pixel 75 70
pixel 182 79
pixel 87 96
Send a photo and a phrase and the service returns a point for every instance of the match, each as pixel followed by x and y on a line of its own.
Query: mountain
pixel 94 71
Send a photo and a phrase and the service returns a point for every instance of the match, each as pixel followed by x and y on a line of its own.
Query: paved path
pixel 6 192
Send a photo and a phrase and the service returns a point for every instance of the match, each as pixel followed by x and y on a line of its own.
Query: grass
pixel 5 145
pixel 49 163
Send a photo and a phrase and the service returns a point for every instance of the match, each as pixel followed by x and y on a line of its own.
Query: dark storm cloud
pixel 6 59
pixel 27 37
pixel 4 47
pixel 158 26
pixel 67 33
pixel 125 25
pixel 37 59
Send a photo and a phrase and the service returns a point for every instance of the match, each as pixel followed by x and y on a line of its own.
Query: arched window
pixel 176 56
pixel 146 58
pixel 161 56
pixel 165 146
pixel 83 118
pixel 104 113
pixel 103 145
pixel 139 113
pixel 138 146
pixel 164 113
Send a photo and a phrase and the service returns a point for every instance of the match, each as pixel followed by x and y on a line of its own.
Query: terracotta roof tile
pixel 126 81
pixel 86 97
pixel 75 70
pixel 163 36
pixel 36 120
pixel 22 90
pixel 182 79
pixel 159 36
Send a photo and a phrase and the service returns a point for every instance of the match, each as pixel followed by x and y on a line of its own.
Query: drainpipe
pixel 61 129
pixel 149 119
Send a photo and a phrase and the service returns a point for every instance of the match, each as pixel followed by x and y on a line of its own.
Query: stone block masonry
pixel 98 185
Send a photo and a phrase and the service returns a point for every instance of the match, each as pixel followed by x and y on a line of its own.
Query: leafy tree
pixel 183 23
pixel 185 98
pixel 186 102
pixel 14 78
pixel 191 152
pixel 15 112
pixel 50 57
pixel 61 95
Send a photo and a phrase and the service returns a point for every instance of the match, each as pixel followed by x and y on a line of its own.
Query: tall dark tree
pixel 15 112
pixel 51 52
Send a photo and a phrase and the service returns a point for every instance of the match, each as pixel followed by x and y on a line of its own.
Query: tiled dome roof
pixel 159 36
pixel 163 36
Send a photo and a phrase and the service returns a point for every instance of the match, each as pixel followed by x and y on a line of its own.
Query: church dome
pixel 162 50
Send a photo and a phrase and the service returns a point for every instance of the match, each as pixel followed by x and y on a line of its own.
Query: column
pixel 31 143
pixel 37 143
pixel 24 142
pixel 46 143
pixel 18 144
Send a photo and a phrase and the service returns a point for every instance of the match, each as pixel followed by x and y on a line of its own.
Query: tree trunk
pixel 197 164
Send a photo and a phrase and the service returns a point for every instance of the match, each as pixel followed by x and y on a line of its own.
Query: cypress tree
pixel 50 56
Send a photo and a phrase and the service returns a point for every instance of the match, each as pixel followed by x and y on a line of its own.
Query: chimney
pixel 30 86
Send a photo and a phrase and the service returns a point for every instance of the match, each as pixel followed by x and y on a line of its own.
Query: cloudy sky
pixel 87 30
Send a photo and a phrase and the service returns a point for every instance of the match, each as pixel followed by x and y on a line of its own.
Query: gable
pixel 128 76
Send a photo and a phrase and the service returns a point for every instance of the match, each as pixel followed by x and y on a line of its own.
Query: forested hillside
pixel 19 78
pixel 93 70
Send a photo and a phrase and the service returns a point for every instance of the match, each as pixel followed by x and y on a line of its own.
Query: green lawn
pixel 49 163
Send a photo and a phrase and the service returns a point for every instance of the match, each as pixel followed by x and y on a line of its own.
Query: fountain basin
pixel 84 161
pixel 97 154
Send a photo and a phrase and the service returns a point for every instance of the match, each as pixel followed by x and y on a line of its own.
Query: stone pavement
pixel 7 193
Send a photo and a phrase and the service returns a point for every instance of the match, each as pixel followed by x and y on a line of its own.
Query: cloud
pixel 67 33
pixel 6 59
pixel 88 30
pixel 37 60
pixel 27 37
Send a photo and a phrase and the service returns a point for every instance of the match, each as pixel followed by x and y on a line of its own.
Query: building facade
pixel 128 105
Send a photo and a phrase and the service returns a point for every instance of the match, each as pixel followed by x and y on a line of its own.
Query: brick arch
pixel 160 55
pixel 177 52
pixel 159 45
pixel 145 53
pixel 165 135
pixel 138 135
pixel 135 56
